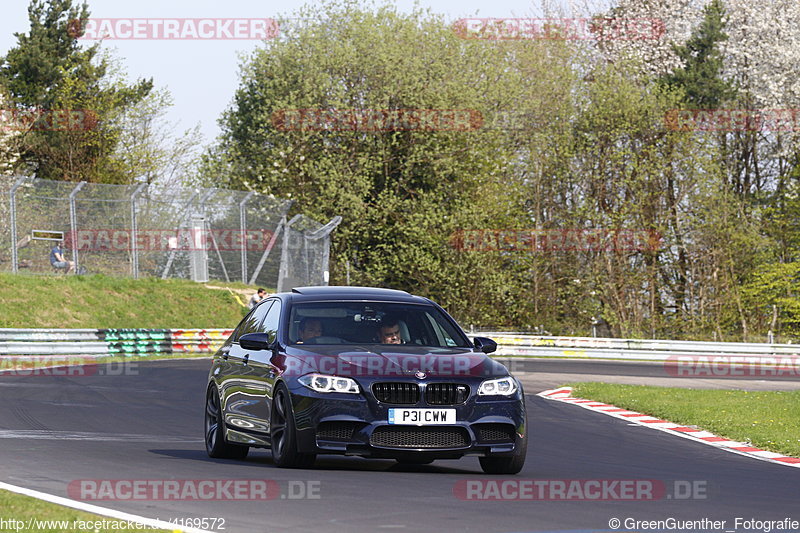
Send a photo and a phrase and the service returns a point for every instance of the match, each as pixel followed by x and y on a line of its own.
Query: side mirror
pixel 255 341
pixel 485 344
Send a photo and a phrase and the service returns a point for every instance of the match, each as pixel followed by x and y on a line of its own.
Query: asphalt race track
pixel 146 423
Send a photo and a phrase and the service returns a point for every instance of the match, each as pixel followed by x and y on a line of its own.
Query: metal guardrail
pixel 514 344
pixel 15 342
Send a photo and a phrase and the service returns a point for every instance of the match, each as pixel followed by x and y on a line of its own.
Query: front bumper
pixel 349 424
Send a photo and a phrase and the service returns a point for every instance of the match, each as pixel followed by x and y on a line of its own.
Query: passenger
pixel 309 328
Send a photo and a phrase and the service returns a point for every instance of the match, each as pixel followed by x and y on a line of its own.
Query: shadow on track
pixel 324 463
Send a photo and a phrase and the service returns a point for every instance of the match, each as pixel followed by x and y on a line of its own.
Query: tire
pixel 283 434
pixel 507 465
pixel 216 446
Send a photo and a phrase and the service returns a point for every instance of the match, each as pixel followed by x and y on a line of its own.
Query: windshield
pixel 372 323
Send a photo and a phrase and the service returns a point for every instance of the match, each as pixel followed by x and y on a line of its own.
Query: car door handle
pixel 246 358
pixel 225 351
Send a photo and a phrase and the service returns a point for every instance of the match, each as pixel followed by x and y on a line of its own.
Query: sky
pixel 202 75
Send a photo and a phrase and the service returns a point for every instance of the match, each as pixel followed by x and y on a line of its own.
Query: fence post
pixel 283 269
pixel 207 227
pixel 267 250
pixel 13 205
pixel 135 232
pixel 184 216
pixel 326 252
pixel 243 228
pixel 73 224
pixel 272 241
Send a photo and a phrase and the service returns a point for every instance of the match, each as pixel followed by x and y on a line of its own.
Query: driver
pixel 309 329
pixel 389 331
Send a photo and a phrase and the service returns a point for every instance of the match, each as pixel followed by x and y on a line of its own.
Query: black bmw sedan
pixel 365 372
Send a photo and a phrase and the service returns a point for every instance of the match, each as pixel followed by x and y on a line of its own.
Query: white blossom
pixel 760 56
pixel 8 157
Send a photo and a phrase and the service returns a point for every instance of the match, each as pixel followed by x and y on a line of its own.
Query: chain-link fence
pixel 140 230
pixel 307 244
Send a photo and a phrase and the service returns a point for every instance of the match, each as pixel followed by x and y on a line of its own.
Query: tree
pixel 402 191
pixel 699 76
pixel 149 150
pixel 570 142
pixel 48 72
pixel 671 23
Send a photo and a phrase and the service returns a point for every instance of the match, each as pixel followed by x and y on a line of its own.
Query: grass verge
pixel 769 420
pixel 105 302
pixel 44 516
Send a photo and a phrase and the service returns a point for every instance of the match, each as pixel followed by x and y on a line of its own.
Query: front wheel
pixel 216 446
pixel 283 435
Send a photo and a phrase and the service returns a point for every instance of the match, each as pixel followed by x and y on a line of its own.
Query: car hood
pixel 391 361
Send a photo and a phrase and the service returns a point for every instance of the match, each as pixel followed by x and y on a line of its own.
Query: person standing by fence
pixel 256 298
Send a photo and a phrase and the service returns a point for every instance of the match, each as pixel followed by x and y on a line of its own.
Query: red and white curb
pixel 564 394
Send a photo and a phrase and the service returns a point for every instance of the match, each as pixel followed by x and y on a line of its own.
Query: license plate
pixel 422 417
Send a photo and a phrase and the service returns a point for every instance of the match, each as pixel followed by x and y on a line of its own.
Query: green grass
pixel 18 507
pixel 769 420
pixel 104 302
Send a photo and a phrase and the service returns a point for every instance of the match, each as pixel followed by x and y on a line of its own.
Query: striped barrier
pixel 97 342
pixel 205 341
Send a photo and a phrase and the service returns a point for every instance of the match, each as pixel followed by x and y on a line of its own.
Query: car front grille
pixel 494 432
pixel 446 393
pixel 419 437
pixel 397 393
pixel 336 430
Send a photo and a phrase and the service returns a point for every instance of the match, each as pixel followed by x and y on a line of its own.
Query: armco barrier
pixel 519 344
pixel 98 342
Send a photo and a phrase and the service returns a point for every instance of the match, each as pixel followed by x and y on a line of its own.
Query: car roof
pixel 300 294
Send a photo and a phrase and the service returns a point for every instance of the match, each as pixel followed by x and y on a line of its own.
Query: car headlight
pixel 498 387
pixel 325 383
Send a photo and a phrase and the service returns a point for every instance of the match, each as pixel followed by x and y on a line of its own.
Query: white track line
pixel 103 511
